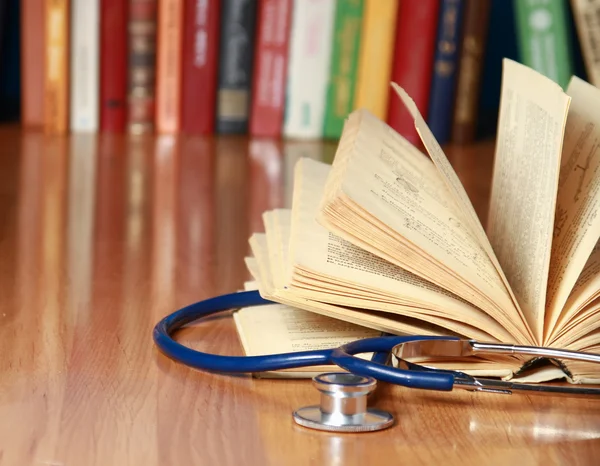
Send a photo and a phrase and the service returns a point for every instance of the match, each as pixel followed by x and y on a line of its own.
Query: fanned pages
pixel 529 141
pixel 385 197
pixel 386 237
pixel 577 223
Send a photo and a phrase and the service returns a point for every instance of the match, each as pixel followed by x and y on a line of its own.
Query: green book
pixel 344 63
pixel 544 38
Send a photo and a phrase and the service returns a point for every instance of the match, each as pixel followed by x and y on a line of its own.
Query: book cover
pixel 501 43
pixel 344 65
pixel 308 68
pixel 270 68
pixel 412 67
pixel 470 66
pixel 56 66
pixel 85 65
pixel 113 65
pixel 375 56
pixel 586 16
pixel 443 85
pixel 543 35
pixel 236 59
pixel 168 66
pixel 199 74
pixel 141 72
pixel 32 63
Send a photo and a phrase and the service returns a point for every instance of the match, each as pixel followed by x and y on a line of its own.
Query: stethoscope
pixel 343 405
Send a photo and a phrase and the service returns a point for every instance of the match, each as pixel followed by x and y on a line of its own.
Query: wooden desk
pixel 100 238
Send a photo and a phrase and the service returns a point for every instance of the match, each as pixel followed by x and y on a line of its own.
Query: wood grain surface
pixel 100 237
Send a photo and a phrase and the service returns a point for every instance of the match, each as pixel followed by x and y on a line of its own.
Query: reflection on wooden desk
pixel 101 236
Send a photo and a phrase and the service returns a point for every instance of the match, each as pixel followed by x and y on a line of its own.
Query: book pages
pixel 351 276
pixel 577 223
pixel 385 197
pixel 398 325
pixel 458 193
pixel 533 110
pixel 276 328
pixel 585 291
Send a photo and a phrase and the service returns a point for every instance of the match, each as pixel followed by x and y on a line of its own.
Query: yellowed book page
pixel 531 124
pixel 314 248
pixel 277 328
pixel 586 289
pixel 396 185
pixel 384 322
pixel 273 221
pixel 456 191
pixel 577 223
pixel 519 80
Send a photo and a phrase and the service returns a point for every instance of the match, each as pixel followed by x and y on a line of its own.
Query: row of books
pixel 291 68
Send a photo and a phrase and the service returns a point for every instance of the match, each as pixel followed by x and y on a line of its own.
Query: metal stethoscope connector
pixel 343 405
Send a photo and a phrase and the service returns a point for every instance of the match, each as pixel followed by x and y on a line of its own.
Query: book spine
pixel 113 65
pixel 470 69
pixel 586 14
pixel 375 56
pixel 199 74
pixel 412 67
pixel 443 85
pixel 543 38
pixel 141 66
pixel 308 68
pixel 344 65
pixel 56 67
pixel 238 20
pixel 32 59
pixel 270 66
pixel 84 62
pixel 168 66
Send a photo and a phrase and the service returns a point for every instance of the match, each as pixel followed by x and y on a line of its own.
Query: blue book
pixel 443 83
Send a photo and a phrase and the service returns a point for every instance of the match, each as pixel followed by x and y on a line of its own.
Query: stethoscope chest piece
pixel 343 405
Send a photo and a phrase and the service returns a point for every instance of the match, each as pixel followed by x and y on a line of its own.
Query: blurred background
pixel 284 69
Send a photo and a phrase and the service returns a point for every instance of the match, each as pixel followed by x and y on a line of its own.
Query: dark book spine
pixel 413 63
pixel 238 20
pixel 477 14
pixel 443 85
pixel 113 65
pixel 200 48
pixel 141 66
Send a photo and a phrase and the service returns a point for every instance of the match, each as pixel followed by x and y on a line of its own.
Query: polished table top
pixel 100 237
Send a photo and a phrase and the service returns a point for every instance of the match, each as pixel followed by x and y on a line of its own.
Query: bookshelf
pixel 281 69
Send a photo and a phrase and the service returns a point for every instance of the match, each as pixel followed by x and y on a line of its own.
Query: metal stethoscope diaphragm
pixel 343 406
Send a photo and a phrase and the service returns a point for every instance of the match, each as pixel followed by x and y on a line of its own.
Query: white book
pixel 308 68
pixel 85 66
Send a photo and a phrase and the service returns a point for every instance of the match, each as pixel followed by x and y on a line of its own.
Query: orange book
pixel 56 66
pixel 168 66
pixel 32 59
pixel 376 56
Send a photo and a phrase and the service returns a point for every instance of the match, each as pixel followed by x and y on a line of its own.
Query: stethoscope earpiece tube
pixel 164 330
pixel 343 356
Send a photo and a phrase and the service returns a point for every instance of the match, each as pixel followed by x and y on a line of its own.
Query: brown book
pixel 56 66
pixel 475 28
pixel 168 66
pixel 32 59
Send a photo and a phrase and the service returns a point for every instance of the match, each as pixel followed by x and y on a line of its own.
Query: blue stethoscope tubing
pixel 343 356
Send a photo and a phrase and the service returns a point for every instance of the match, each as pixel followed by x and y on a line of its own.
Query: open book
pixel 386 237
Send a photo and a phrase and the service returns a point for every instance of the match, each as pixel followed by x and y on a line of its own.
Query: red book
pixel 413 62
pixel 268 89
pixel 113 65
pixel 199 79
